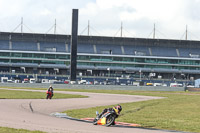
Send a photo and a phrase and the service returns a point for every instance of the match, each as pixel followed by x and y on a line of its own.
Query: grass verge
pixel 12 130
pixel 15 94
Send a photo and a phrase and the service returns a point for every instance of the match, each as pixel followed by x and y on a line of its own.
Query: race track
pixel 34 114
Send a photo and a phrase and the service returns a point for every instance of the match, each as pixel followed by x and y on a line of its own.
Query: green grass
pixel 178 111
pixel 12 130
pixel 14 94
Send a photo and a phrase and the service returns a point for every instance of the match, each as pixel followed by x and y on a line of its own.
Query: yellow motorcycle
pixel 107 118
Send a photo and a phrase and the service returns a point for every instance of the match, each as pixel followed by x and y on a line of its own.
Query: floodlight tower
pixel 154 31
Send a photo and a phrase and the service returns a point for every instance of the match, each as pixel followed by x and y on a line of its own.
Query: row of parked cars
pixel 133 83
pixel 32 80
pixel 86 82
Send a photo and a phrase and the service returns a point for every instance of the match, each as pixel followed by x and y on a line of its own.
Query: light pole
pixel 108 71
pixel 140 71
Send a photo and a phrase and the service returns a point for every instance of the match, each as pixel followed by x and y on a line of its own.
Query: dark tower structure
pixel 74 40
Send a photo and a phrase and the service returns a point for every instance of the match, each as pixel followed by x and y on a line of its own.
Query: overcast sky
pixel 105 17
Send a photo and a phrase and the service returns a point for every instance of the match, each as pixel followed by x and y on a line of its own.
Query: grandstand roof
pixel 101 45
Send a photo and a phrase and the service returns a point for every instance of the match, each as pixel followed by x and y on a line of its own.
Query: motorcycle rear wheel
pixel 95 121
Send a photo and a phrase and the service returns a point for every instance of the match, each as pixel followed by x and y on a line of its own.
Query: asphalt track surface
pixel 34 114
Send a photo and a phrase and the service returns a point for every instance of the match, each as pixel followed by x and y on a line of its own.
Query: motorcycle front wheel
pixel 110 120
pixel 47 96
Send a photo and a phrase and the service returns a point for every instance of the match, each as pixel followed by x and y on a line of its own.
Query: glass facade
pixel 101 60
pixel 140 62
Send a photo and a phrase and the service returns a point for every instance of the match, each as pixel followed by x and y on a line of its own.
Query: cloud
pixel 139 16
pixel 105 16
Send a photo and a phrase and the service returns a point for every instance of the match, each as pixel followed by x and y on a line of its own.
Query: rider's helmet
pixel 118 109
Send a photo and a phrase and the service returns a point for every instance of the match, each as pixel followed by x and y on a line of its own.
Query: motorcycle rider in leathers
pixel 117 109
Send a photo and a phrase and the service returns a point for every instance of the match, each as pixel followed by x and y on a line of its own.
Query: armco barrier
pixel 105 87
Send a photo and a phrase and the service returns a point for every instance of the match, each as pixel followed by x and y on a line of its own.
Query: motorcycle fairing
pixel 101 121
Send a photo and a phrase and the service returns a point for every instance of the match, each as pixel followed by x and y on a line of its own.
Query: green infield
pixel 178 111
pixel 16 94
pixel 12 130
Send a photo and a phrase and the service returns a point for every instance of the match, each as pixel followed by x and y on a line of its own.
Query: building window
pixel 50 49
pixel 139 53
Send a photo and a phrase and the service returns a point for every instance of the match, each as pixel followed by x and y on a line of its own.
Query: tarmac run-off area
pixel 34 114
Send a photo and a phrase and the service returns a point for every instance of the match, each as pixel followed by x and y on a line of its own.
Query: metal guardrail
pixel 97 87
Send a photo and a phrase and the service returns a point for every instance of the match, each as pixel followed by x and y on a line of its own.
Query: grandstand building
pixel 99 56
